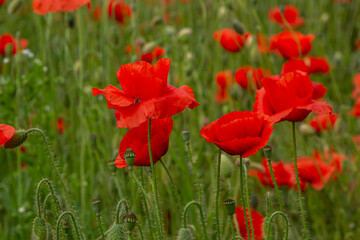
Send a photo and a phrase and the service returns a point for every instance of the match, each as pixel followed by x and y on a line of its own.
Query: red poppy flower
pixel 291 16
pixel 319 90
pixel 119 10
pixel 356 83
pixel 288 97
pixel 289 43
pixel 60 125
pixel 6 133
pixel 308 65
pixel 323 122
pixel 330 156
pixel 137 140
pixel 155 54
pixel 239 133
pixel 314 172
pixel 356 140
pixel 2 2
pixel 257 220
pixel 284 174
pixel 145 94
pixel 230 40
pixel 43 7
pixel 223 80
pixel 262 43
pixel 356 109
pixel 7 39
pixel 250 78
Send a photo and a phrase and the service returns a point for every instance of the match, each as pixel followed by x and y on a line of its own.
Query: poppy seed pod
pixel 230 206
pixel 19 138
pixel 185 135
pixel 184 234
pixel 40 228
pixel 267 151
pixel 96 206
pixel 130 221
pixel 129 157
pixel 238 27
pixel 117 232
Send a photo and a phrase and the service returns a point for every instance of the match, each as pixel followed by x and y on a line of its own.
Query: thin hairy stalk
pixel 58 223
pixel 154 184
pixel 242 197
pixel 232 226
pixel 188 149
pixel 248 204
pixel 98 219
pixel 146 209
pixel 57 204
pixel 52 192
pixel 201 217
pixel 298 183
pixel 218 234
pixel 140 231
pixel 118 209
pixel 285 220
pixel 275 184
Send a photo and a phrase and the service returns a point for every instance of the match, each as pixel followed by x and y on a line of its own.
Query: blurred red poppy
pixel 43 7
pixel 314 172
pixel 257 220
pixel 284 174
pixel 308 65
pixel 289 43
pixel 262 43
pixel 6 133
pixel 330 156
pixel 155 54
pixel 356 109
pixel 249 78
pixel 137 140
pixel 288 97
pixel 290 16
pixel 319 90
pixel 145 94
pixel 119 10
pixel 223 80
pixel 323 122
pixel 356 140
pixel 239 133
pixel 60 125
pixel 230 40
pixel 7 40
pixel 2 2
pixel 356 83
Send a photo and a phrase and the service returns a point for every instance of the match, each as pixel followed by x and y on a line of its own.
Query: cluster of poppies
pixel 10 45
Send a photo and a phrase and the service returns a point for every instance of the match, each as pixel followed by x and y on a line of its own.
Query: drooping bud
pixel 14 6
pixel 19 138
pixel 185 135
pixel 96 206
pixel 184 34
pixel 40 228
pixel 238 27
pixel 267 151
pixel 157 20
pixel 184 234
pixel 148 47
pixel 130 220
pixel 117 232
pixel 230 206
pixel 129 156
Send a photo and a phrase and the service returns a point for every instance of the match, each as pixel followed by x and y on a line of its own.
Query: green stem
pixel 118 208
pixel 275 184
pixel 146 209
pixel 52 192
pixel 140 231
pixel 298 182
pixel 238 237
pixel 56 200
pixel 98 218
pixel 285 220
pixel 232 227
pixel 201 216
pixel 217 196
pixel 154 184
pixel 74 223
pixel 242 197
pixel 248 204
pixel 188 149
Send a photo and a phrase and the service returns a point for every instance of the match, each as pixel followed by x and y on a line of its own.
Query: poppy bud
pixel 186 135
pixel 19 137
pixel 130 221
pixel 184 234
pixel 129 156
pixel 116 232
pixel 157 20
pixel 238 27
pixel 96 206
pixel 40 228
pixel 148 47
pixel 267 151
pixel 184 34
pixel 14 6
pixel 230 206
pixel 111 166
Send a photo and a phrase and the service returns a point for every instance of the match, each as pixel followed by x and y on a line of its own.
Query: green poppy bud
pixel 230 206
pixel 96 206
pixel 40 228
pixel 129 156
pixel 117 232
pixel 267 151
pixel 130 221
pixel 184 234
pixel 19 138
pixel 238 27
pixel 185 135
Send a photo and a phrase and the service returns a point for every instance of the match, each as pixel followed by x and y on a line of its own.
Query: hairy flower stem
pixel 248 204
pixel 218 234
pixel 146 209
pixel 201 217
pixel 286 221
pixel 118 209
pixel 242 197
pixel 275 184
pixel 52 192
pixel 98 219
pixel 140 231
pixel 154 184
pixel 298 183
pixel 232 226
pixel 188 150
pixel 58 223
pixel 52 161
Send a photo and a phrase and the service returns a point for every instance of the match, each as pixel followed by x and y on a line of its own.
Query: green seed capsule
pixel 130 221
pixel 40 228
pixel 184 234
pixel 230 206
pixel 117 232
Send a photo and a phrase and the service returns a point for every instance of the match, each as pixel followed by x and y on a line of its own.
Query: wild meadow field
pixel 251 107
